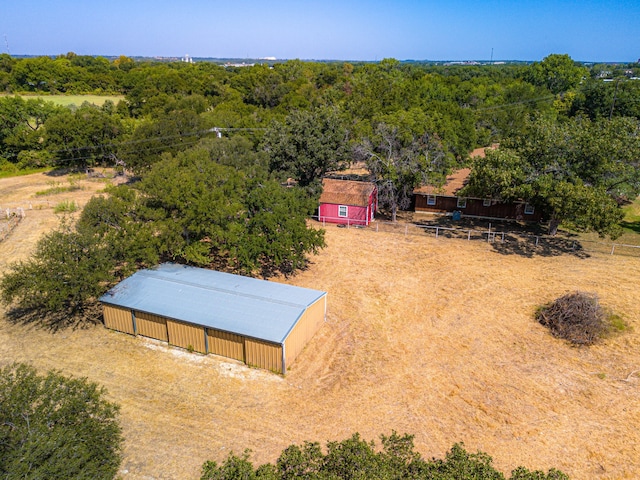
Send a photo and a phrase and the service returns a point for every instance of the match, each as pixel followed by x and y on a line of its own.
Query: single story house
pixel 348 202
pixel 445 200
pixel 261 323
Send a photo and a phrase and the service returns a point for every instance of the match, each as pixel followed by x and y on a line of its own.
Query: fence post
pixel 502 237
pixel 613 247
pixel 469 235
pixel 436 232
pixel 536 240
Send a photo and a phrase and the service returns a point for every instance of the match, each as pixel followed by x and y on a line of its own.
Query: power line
pixel 199 133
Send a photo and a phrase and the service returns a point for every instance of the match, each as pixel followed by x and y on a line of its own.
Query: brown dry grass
pixel 431 337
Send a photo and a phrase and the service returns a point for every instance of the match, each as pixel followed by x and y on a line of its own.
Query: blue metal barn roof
pixel 242 305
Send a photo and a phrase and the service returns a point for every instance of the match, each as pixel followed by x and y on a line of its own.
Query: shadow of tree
pixel 59 172
pixel 536 246
pixel 507 238
pixel 86 317
pixel 470 223
pixel 633 226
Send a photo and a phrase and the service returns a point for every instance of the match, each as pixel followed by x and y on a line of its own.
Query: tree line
pixel 356 458
pixel 168 105
pixel 211 148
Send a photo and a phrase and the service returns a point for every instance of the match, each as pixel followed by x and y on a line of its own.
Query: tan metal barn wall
pixel 186 335
pixel 225 344
pixel 308 324
pixel 151 326
pixel 118 318
pixel 263 354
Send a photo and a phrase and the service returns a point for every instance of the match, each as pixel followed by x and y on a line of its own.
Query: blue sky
pixel 587 30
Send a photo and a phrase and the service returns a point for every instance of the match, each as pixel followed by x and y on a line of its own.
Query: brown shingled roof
pixel 455 182
pixel 457 179
pixel 346 192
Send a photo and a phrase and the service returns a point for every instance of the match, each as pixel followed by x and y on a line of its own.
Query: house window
pixel 529 209
pixel 486 202
pixel 462 202
pixel 343 211
pixel 431 199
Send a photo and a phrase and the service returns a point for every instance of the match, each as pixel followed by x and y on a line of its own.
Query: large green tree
pixel 307 145
pixel 576 172
pixel 209 214
pixel 20 124
pixel 558 72
pixel 83 137
pixel 399 162
pixel 72 266
pixel 53 426
pixel 62 278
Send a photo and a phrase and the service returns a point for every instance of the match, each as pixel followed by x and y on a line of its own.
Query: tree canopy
pixel 400 161
pixel 307 145
pixel 575 172
pixel 355 458
pixel 53 426
pixel 209 214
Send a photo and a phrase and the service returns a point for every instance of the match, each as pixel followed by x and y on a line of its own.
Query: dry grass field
pixel 434 337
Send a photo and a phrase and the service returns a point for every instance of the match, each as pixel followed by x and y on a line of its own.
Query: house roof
pixel 455 182
pixel 346 192
pixel 232 303
pixel 457 179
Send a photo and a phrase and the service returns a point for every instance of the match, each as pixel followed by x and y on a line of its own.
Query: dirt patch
pixel 434 337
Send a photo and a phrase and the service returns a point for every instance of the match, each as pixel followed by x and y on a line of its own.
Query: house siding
pixel 475 208
pixel 328 212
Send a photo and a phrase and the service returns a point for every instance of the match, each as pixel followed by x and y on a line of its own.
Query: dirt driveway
pixel 433 337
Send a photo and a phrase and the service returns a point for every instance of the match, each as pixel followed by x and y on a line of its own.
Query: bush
pixel 52 426
pixel 577 317
pixel 66 206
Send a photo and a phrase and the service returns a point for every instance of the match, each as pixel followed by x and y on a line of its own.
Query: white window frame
pixel 431 199
pixel 343 211
pixel 486 202
pixel 529 209
pixel 462 202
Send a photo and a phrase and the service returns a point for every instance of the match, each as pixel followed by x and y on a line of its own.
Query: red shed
pixel 348 202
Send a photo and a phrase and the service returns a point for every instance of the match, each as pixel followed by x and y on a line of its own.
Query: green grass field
pixel 631 222
pixel 77 100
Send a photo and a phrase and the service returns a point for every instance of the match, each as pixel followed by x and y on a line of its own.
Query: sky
pixel 587 30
